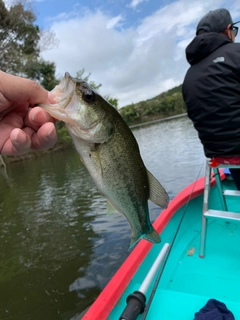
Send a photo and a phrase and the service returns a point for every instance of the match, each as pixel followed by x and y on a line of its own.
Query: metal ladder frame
pixel 206 212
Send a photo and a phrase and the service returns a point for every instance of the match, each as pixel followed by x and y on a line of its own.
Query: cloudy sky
pixel 134 48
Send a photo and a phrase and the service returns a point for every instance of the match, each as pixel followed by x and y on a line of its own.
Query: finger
pixel 18 143
pixel 10 122
pixel 19 89
pixel 45 137
pixel 20 140
pixel 36 117
pixel 52 96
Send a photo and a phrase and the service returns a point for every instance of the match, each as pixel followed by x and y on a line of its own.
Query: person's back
pixel 211 88
pixel 211 91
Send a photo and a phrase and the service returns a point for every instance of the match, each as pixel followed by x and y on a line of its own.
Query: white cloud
pixel 132 64
pixel 135 3
pixel 114 22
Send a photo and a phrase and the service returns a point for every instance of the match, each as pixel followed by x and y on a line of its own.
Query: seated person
pixel 211 88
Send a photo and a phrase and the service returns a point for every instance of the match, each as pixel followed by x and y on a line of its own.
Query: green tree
pixel 20 49
pixel 42 71
pixel 165 104
pixel 130 113
pixel 19 38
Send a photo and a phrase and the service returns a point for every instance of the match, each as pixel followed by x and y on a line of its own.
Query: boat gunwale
pixel 107 299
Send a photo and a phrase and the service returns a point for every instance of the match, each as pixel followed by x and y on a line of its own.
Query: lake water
pixel 58 248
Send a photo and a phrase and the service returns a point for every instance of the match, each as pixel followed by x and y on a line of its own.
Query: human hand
pixel 22 125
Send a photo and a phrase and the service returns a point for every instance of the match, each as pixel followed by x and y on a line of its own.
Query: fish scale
pixel 123 180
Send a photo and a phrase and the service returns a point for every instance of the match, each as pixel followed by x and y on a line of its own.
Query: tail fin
pixel 151 236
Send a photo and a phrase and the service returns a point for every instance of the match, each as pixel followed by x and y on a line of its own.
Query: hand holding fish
pixel 22 125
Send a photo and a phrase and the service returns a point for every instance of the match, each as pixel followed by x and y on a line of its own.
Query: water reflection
pixel 58 248
pixel 44 240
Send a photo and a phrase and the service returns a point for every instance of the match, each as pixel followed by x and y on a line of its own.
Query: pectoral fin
pixel 158 195
pixel 110 208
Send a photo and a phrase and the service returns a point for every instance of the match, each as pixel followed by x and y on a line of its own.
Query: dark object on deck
pixel 214 310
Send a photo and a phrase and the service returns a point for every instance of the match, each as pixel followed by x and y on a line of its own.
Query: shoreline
pixel 5 160
pixel 158 120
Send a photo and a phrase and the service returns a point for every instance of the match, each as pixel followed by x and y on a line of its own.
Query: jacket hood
pixel 203 45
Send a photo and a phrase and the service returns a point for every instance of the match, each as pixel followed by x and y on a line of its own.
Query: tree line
pixel 166 104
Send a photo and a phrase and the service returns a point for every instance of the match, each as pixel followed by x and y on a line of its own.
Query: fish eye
pixel 89 96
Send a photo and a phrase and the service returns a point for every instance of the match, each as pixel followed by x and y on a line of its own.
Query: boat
pixel 197 261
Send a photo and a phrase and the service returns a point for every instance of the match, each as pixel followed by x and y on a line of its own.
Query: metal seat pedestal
pixel 207 213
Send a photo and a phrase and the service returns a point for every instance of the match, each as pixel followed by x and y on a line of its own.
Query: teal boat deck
pixel 188 281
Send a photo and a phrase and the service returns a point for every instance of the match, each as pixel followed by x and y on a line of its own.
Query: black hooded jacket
pixel 211 91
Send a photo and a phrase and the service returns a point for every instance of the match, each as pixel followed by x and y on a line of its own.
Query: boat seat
pixel 213 168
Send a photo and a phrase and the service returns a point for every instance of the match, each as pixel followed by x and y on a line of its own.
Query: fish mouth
pixel 64 91
pixel 63 94
pixel 64 110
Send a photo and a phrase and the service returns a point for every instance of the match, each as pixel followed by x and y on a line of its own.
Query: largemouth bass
pixel 110 152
